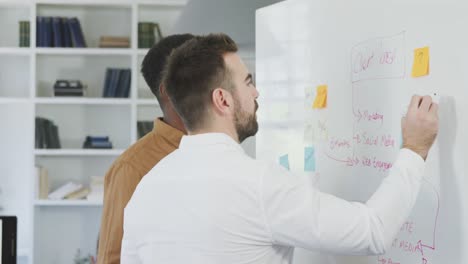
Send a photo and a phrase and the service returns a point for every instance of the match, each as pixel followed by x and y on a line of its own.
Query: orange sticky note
pixel 321 97
pixel 421 62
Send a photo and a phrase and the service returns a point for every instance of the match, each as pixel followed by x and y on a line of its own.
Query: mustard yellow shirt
pixel 122 179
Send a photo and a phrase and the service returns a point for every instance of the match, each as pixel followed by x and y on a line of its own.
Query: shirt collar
pixel 209 139
pixel 170 134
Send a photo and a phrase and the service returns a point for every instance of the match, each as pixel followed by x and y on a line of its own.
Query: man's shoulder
pixel 142 155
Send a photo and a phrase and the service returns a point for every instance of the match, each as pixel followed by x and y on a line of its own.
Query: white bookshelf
pixel 26 79
pixel 15 51
pixel 84 51
pixel 82 101
pixel 78 152
pixel 66 203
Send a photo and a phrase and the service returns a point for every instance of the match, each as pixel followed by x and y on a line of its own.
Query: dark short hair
pixel 192 73
pixel 155 60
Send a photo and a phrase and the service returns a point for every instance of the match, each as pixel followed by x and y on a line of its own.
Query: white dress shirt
pixel 208 202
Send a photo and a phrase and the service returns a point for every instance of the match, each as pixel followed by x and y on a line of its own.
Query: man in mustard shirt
pixel 130 167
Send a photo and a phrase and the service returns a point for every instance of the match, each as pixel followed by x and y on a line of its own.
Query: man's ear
pixel 222 100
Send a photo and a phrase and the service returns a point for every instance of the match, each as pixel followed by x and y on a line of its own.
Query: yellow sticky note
pixel 421 62
pixel 321 97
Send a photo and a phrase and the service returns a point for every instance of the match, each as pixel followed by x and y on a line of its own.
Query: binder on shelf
pixel 48 32
pixel 57 31
pixel 47 134
pixel 39 31
pixel 117 83
pixel 24 30
pixel 148 34
pixel 76 33
pixel 123 90
pixel 114 82
pixel 67 41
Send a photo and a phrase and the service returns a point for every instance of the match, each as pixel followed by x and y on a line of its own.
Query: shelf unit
pixel 52 231
pixel 52 203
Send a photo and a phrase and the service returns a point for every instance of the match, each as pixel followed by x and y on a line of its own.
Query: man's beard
pixel 245 123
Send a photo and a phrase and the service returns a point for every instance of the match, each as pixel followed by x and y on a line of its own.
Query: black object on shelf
pixel 69 88
pixel 47 134
pixel 94 142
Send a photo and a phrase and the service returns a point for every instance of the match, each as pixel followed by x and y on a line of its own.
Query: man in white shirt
pixel 208 202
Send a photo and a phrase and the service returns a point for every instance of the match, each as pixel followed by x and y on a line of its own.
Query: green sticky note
pixel 309 159
pixel 284 161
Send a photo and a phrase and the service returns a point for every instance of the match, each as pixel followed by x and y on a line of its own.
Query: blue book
pixel 124 84
pixel 41 32
pixel 57 32
pixel 76 32
pixel 128 80
pixel 114 82
pixel 38 31
pixel 105 92
pixel 67 41
pixel 48 32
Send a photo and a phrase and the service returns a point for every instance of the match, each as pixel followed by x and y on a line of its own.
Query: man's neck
pixel 175 122
pixel 217 129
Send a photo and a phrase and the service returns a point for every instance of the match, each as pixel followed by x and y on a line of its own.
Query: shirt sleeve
pixel 119 184
pixel 299 215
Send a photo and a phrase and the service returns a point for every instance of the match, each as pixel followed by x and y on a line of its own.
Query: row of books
pixel 93 142
pixel 144 127
pixel 148 34
pixel 24 29
pixel 59 32
pixel 46 134
pixel 67 32
pixel 70 190
pixel 117 83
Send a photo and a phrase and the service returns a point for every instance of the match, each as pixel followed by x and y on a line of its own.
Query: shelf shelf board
pixel 78 152
pixel 15 51
pixel 15 3
pixel 83 100
pixel 170 3
pixel 83 51
pixel 142 52
pixel 13 100
pixel 116 3
pixel 147 102
pixel 66 203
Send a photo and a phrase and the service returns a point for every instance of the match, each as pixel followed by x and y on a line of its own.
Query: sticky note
pixel 284 161
pixel 421 62
pixel 309 159
pixel 321 97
